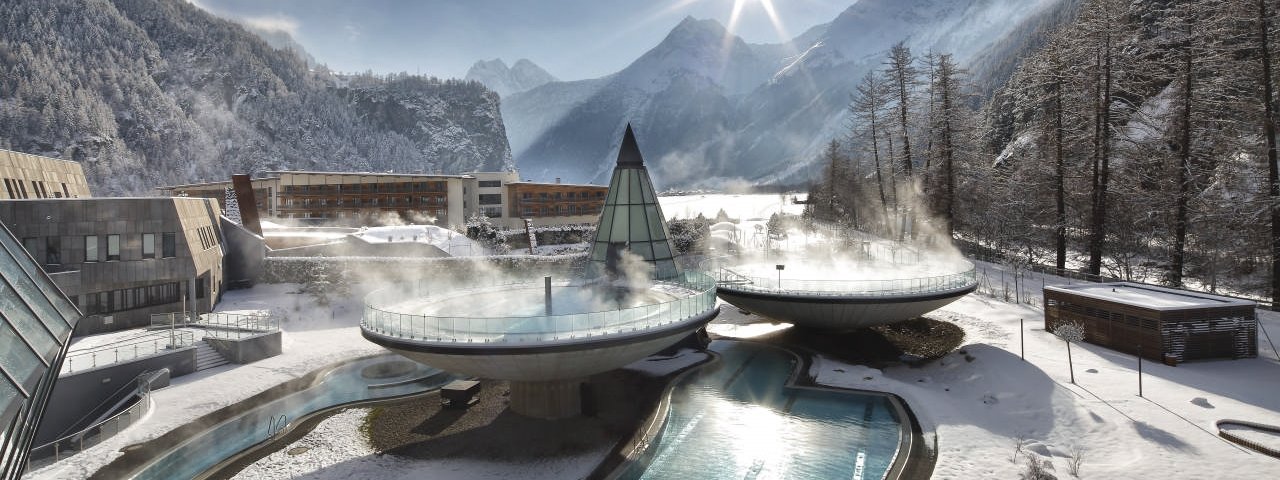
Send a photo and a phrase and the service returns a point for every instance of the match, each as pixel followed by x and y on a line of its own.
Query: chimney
pixel 557 180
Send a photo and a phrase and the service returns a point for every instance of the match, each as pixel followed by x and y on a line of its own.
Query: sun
pixel 767 5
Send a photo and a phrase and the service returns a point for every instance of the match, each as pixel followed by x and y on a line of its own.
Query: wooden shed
pixel 1170 325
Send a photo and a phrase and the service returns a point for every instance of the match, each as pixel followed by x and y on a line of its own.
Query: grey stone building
pixel 122 259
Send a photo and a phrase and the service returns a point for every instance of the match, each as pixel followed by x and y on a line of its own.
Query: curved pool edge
pixel 284 435
pixel 622 456
pixel 137 457
pixel 913 460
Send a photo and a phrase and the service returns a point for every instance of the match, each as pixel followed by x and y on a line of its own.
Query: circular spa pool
pixel 836 294
pixel 509 331
pixel 739 418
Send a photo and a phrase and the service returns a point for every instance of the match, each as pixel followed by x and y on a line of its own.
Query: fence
pixel 889 287
pixel 234 326
pixel 138 347
pixel 539 328
pixel 56 450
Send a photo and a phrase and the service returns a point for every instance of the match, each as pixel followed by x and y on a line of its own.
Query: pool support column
pixel 550 399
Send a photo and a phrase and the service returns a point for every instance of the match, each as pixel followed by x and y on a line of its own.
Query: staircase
pixel 207 357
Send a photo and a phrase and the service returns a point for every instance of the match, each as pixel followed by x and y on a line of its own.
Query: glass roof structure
pixel 631 222
pixel 36 322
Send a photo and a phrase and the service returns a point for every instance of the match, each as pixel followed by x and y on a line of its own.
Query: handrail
pixel 76 442
pixel 537 328
pixel 170 340
pixel 887 287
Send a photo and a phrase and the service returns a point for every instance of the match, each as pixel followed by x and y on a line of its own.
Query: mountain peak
pixel 521 76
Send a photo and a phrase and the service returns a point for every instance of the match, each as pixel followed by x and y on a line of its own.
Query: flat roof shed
pixel 1169 325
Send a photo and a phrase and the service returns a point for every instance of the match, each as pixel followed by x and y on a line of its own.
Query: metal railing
pixel 889 287
pixel 236 325
pixel 64 447
pixel 700 297
pixel 146 345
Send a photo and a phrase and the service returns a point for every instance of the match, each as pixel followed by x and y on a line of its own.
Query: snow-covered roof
pixel 451 242
pixel 1149 296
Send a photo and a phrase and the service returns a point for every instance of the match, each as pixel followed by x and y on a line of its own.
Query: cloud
pixel 273 23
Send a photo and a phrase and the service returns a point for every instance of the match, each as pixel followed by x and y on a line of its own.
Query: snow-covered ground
pixel 313 336
pixel 981 407
pixel 336 450
pixel 453 243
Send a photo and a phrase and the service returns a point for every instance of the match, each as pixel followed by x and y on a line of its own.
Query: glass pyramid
pixel 631 222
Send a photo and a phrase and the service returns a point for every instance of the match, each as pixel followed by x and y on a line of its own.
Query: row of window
pixel 561 210
pixel 208 238
pixel 562 195
pixel 100 248
pixel 438 213
pixel 138 297
pixel 398 187
pixel 18 189
pixel 491 199
pixel 489 183
pixel 357 202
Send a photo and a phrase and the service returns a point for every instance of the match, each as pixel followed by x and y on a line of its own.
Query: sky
pixel 571 39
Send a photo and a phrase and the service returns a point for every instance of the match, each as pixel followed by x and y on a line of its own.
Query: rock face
pixel 457 125
pixel 523 76
pixel 159 92
pixel 713 108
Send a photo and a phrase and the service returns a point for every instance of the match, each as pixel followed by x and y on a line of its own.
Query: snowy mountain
pixel 159 92
pixel 709 107
pixel 522 76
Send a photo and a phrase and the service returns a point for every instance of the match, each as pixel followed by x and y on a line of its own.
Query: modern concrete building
pixel 357 199
pixel 36 323
pixel 34 176
pixel 122 259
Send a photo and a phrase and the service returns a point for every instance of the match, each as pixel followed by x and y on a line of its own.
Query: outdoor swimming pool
pixel 390 376
pixel 737 419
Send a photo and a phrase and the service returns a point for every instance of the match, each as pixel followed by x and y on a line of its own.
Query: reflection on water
pixel 736 420
pixel 342 385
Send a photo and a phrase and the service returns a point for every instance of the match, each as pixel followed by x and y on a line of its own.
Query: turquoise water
pixel 736 419
pixel 343 384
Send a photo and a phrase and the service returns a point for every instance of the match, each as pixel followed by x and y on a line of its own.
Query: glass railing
pixel 147 345
pixel 729 279
pixel 696 294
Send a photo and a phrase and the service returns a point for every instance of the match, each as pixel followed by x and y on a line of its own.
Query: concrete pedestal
pixel 549 399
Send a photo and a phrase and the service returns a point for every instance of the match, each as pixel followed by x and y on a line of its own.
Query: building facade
pixel 36 324
pixel 122 259
pixel 1165 324
pixel 356 199
pixel 34 176
pixel 555 203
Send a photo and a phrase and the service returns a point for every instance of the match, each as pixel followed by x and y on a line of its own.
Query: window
pixel 169 244
pixel 491 199
pixel 9 186
pixel 490 183
pixel 52 251
pixel 113 248
pixel 91 248
pixel 493 212
pixel 148 245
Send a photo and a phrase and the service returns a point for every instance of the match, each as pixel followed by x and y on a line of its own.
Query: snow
pixel 313 337
pixel 334 450
pixel 453 243
pixel 1148 296
pixel 980 408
